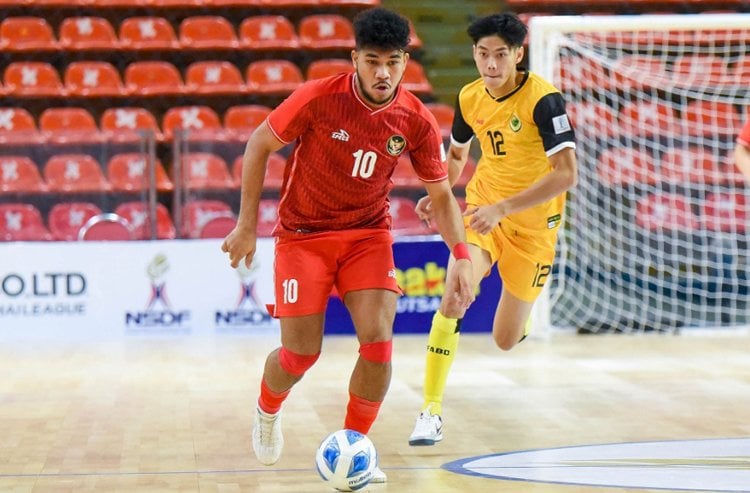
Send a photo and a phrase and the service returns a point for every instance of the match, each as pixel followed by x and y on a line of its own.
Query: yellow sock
pixel 441 349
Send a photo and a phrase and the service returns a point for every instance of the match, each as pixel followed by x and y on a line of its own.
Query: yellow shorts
pixel 524 260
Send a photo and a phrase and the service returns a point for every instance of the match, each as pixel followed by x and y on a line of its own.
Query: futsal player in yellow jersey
pixel 514 200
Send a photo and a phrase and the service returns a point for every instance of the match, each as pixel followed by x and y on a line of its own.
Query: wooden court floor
pixel 174 415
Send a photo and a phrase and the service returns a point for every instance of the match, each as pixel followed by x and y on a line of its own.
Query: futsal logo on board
pixel 159 315
pixel 249 311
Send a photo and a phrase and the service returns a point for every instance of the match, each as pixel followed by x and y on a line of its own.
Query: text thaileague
pixel 42 293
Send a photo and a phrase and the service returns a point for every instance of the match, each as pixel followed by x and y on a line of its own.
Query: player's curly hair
pixel 506 25
pixel 381 28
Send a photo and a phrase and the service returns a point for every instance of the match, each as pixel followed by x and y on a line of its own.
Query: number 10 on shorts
pixel 291 290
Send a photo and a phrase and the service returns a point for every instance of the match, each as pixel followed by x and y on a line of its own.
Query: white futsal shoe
pixel 428 429
pixel 378 476
pixel 268 442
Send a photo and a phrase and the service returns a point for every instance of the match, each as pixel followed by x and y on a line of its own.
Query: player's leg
pixel 510 325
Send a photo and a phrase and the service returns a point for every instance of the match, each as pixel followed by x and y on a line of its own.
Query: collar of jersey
pixel 515 89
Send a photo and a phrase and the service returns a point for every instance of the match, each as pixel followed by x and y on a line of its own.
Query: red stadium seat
pixel 578 74
pixel 268 216
pixel 626 166
pixel 87 33
pixel 326 31
pixel 665 211
pixel 207 32
pixel 32 79
pixel 22 222
pixel 67 218
pixel 153 78
pixel 640 72
pixel 196 213
pixel 415 79
pixel 699 70
pixel 647 119
pixel 404 219
pixel 202 170
pixel 26 34
pixel 218 227
pixel 74 173
pixel 279 77
pixel 19 174
pixel 197 121
pixel 268 32
pixel 138 216
pixel 128 172
pixel 128 124
pixel 712 118
pixel 93 79
pixel 106 227
pixel 147 33
pixel 65 125
pixel 328 67
pixel 17 126
pixel 274 171
pixel 240 121
pixel 693 164
pixel 213 77
pixel 593 115
pixel 443 113
pixel 726 211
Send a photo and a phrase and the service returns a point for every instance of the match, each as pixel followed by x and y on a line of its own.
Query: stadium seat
pixel 74 173
pixel 268 32
pixel 326 31
pixel 692 164
pixel 106 227
pixel 87 33
pixel 740 71
pixel 598 117
pixel 647 119
pixel 65 219
pixel 240 121
pixel 153 78
pixel 93 79
pixel 196 213
pixel 639 72
pixel 213 77
pixel 404 219
pixel 32 79
pixel 577 74
pixel 328 67
pixel 274 172
pixel 66 125
pixel 128 172
pixel 415 42
pixel 207 32
pixel 280 77
pixel 218 227
pixel 443 113
pixel 19 174
pixel 665 212
pixel 726 211
pixel 711 118
pixel 22 222
pixel 415 79
pixel 17 127
pixel 198 121
pixel 26 34
pixel 128 124
pixel 268 216
pixel 137 214
pixel 626 166
pixel 699 70
pixel 202 170
pixel 147 33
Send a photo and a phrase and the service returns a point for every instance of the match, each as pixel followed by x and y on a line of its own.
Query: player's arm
pixel 241 241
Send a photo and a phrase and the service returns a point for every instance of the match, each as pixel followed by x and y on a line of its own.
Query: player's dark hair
pixel 382 29
pixel 506 25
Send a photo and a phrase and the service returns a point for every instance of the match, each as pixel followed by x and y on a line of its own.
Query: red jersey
pixel 744 137
pixel 339 173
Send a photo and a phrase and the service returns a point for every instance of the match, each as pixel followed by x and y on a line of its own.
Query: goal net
pixel 656 232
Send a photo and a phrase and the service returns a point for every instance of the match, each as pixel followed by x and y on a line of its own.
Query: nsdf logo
pixel 248 312
pixel 158 316
pixel 42 293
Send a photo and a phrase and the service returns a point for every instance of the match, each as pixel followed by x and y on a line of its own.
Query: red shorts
pixel 309 265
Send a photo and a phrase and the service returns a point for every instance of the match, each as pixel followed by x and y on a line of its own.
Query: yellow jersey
pixel 517 133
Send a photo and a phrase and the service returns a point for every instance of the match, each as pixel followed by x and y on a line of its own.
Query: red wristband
pixel 461 251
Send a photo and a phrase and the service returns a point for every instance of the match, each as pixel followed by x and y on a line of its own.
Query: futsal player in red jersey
pixel 334 226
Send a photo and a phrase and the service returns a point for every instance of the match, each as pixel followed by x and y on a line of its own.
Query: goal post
pixel 657 228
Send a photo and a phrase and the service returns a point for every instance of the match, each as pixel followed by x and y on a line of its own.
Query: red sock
pixel 269 401
pixel 360 414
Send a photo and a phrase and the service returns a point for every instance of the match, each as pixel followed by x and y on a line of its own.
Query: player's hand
pixel 240 244
pixel 424 210
pixel 464 283
pixel 485 218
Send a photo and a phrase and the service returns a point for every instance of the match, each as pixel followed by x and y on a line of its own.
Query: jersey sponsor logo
pixel 396 145
pixel 554 221
pixel 515 123
pixel 341 135
pixel 684 465
pixel 561 124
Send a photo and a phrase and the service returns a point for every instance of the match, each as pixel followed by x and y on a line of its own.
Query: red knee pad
pixel 296 364
pixel 377 352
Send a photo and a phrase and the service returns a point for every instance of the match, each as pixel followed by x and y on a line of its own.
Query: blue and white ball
pixel 346 460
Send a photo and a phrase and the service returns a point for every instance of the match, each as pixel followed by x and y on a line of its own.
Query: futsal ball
pixel 346 460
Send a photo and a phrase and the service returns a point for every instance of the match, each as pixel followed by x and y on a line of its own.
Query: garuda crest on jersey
pixel 395 145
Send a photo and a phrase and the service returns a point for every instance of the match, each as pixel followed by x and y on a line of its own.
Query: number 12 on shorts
pixel 541 274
